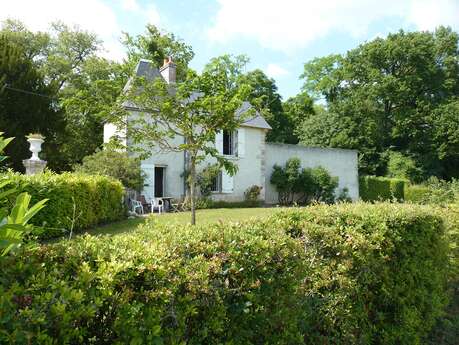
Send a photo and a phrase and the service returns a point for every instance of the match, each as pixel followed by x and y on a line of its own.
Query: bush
pixel 116 164
pixel 376 188
pixel 252 194
pixel 76 201
pixel 303 186
pixel 347 274
pixel 433 191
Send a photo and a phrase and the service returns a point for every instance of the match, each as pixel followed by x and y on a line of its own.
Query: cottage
pixel 247 147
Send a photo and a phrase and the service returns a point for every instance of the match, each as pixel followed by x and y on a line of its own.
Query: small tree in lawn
pixel 194 109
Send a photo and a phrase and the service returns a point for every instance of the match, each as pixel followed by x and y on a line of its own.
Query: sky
pixel 277 36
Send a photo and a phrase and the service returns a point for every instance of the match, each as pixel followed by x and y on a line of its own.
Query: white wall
pixel 250 166
pixel 339 162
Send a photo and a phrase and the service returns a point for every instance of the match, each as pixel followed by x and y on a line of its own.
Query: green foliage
pixel 303 186
pixel 252 194
pixel 157 45
pixel 403 167
pixel 14 226
pixel 433 191
pixel 397 93
pixel 206 178
pixel 376 188
pixel 115 164
pixel 351 274
pixel 75 201
pixel 23 113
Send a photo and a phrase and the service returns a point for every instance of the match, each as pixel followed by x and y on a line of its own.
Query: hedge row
pixel 417 194
pixel 76 201
pixel 377 188
pixel 346 274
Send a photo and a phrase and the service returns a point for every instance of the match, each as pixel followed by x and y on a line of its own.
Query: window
pixel 228 143
pixel 217 183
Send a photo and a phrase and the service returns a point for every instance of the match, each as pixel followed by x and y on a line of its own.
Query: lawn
pixel 202 217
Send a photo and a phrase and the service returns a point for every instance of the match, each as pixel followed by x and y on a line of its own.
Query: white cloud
pixel 274 70
pixel 295 23
pixel 130 5
pixel 91 15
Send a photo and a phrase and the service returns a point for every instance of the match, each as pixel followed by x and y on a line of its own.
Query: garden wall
pixel 340 163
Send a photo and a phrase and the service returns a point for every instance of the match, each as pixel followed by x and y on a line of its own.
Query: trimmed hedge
pixel 417 194
pixel 377 188
pixel 346 274
pixel 84 200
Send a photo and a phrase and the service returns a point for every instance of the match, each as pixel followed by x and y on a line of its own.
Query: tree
pixel 382 96
pixel 265 96
pixel 156 46
pixel 116 164
pixel 79 85
pixel 297 109
pixel 26 102
pixel 195 109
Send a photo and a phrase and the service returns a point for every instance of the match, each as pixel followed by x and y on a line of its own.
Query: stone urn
pixel 34 165
pixel 35 146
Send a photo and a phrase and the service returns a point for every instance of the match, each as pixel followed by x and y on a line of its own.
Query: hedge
pixel 346 274
pixel 377 188
pixel 417 194
pixel 76 201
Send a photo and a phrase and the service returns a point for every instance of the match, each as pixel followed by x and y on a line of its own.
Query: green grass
pixel 202 217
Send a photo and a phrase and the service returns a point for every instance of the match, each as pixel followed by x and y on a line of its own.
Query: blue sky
pixel 278 36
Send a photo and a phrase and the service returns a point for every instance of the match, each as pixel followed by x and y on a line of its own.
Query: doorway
pixel 159 182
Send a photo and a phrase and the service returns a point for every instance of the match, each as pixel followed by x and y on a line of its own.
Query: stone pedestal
pixel 34 166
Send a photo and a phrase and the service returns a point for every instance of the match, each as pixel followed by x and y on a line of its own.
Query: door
pixel 159 182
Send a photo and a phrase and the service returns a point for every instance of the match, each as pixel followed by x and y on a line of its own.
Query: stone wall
pixel 339 162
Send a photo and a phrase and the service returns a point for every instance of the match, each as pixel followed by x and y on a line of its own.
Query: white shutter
pixel 149 183
pixel 241 142
pixel 227 183
pixel 219 141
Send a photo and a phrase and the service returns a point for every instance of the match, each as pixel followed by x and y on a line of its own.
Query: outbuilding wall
pixel 339 162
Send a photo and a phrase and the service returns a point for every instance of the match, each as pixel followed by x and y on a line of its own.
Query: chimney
pixel 169 70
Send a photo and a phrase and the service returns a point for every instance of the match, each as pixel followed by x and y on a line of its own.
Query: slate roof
pixel 146 69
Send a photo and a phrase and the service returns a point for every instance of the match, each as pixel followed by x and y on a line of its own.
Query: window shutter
pixel 219 142
pixel 241 142
pixel 149 184
pixel 227 183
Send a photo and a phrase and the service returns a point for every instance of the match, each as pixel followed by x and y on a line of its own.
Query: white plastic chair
pixel 136 205
pixel 157 204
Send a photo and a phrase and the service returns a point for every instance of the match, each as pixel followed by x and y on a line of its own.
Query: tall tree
pixel 382 96
pixel 297 109
pixel 26 102
pixel 157 45
pixel 265 96
pixel 195 109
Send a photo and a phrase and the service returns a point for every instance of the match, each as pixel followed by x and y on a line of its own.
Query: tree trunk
pixel 193 190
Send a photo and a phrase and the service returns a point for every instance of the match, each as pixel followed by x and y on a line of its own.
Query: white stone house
pixel 246 147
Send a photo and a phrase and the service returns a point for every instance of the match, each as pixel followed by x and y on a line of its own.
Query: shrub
pixel 376 188
pixel 378 271
pixel 433 191
pixel 417 194
pixel 303 186
pixel 348 274
pixel 75 201
pixel 116 164
pixel 252 194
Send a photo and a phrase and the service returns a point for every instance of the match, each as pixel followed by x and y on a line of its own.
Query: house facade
pixel 246 147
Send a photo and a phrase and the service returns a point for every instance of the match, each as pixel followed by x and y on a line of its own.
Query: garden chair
pixel 157 204
pixel 136 205
pixel 177 206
